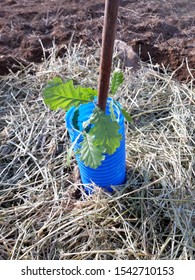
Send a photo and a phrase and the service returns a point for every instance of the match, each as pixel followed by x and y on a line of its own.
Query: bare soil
pixel 163 31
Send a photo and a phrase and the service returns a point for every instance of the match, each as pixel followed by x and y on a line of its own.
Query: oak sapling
pixel 101 132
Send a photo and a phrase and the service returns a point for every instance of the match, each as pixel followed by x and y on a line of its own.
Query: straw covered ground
pixel 44 212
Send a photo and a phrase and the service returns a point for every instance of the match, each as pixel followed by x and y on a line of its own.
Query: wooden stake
pixel 108 36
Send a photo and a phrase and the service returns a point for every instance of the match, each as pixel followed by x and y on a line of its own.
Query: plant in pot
pixel 95 122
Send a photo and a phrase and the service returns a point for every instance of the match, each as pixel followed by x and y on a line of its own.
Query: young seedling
pixel 101 133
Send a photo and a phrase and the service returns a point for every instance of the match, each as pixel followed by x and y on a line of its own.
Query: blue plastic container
pixel 112 171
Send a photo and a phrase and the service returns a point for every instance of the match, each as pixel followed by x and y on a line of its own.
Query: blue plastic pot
pixel 112 171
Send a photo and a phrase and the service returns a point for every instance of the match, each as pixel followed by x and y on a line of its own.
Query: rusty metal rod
pixel 108 36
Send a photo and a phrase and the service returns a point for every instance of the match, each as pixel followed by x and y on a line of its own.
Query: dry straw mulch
pixel 44 212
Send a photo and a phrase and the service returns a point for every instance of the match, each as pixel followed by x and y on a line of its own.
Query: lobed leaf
pixel 105 131
pixel 75 119
pixel 64 95
pixel 126 115
pixel 89 153
pixel 117 80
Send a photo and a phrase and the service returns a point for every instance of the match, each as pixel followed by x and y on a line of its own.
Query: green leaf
pixel 117 80
pixel 75 119
pixel 64 95
pixel 105 131
pixel 126 115
pixel 89 153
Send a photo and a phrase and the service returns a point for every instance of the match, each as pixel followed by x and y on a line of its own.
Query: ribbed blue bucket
pixel 112 171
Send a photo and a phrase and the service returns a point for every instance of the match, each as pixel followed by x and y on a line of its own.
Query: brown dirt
pixel 163 30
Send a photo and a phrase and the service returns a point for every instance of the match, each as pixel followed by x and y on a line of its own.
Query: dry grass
pixel 45 214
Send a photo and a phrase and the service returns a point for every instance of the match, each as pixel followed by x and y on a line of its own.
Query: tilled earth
pixel 163 31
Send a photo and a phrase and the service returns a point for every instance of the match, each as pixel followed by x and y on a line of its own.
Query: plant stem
pixel 108 36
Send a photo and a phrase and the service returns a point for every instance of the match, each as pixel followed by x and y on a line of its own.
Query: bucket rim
pixel 70 113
